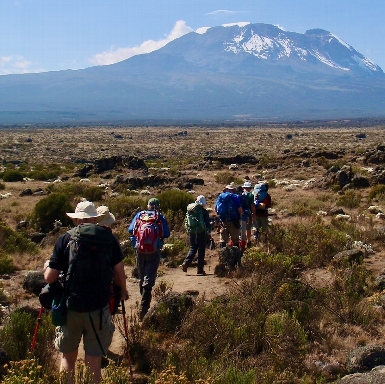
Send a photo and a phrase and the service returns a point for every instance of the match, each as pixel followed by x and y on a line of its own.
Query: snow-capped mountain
pixel 238 71
pixel 270 43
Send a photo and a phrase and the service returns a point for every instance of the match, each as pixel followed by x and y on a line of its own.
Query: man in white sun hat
pixel 106 217
pixel 89 257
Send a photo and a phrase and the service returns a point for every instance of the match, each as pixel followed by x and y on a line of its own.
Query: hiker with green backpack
pixel 198 227
pixel 89 257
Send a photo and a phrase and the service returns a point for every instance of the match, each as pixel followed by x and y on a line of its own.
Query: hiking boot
pixel 184 267
pixel 104 362
pixel 142 313
pixel 201 272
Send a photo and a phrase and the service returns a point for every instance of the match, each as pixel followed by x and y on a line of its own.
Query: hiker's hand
pixel 261 205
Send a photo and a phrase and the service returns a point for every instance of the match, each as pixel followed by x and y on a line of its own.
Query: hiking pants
pixel 147 267
pixel 197 243
pixel 246 224
pixel 229 230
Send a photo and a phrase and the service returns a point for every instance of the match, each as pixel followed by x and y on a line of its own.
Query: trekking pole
pixel 126 338
pixel 36 329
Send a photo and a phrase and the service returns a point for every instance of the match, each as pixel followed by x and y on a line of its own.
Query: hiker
pixel 229 208
pixel 248 206
pixel 198 227
pixel 262 204
pixel 86 288
pixel 106 218
pixel 148 229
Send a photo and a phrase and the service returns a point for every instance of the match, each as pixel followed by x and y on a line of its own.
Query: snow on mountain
pixel 268 42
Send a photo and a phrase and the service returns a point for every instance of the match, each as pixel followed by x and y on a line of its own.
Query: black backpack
pixel 90 273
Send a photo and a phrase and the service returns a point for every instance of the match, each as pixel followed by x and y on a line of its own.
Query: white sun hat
pixel 201 200
pixel 83 210
pixel 106 218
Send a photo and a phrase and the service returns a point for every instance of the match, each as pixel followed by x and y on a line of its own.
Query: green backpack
pixel 194 221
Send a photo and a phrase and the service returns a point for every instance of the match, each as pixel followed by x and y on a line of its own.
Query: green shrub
pixel 175 200
pixel 75 191
pixel 13 242
pixel 12 175
pixel 378 191
pixel 309 239
pixel 18 331
pixel 43 175
pixel 226 178
pixel 51 208
pixel 125 206
pixel 6 263
pixel 350 199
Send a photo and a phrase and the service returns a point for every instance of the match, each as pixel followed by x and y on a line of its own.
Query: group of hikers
pixel 88 262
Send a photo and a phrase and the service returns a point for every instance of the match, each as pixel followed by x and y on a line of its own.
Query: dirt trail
pixel 210 286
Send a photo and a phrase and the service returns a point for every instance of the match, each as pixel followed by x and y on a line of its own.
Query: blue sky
pixel 50 35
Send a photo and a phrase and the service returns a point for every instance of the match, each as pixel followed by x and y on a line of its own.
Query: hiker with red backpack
pixel 229 208
pixel 89 257
pixel 148 229
pixel 198 227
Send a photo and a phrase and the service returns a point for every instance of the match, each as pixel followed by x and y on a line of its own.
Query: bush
pixel 76 191
pixel 51 208
pixel 12 175
pixel 378 191
pixel 6 263
pixel 309 239
pixel 351 199
pixel 226 178
pixel 13 242
pixel 175 200
pixel 125 206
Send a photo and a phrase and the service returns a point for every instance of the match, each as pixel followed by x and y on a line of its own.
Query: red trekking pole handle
pixel 126 337
pixel 36 329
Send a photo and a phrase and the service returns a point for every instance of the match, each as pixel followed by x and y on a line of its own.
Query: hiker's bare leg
pixel 94 363
pixel 67 364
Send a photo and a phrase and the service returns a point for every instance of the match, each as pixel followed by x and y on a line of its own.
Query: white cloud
pixel 114 55
pixel 223 12
pixel 15 64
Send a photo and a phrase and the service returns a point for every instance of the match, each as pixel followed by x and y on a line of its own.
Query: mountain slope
pixel 252 71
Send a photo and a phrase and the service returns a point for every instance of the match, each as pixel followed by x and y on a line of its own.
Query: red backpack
pixel 148 230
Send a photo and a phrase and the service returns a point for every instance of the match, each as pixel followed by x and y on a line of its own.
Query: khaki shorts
pixel 79 324
pixel 229 230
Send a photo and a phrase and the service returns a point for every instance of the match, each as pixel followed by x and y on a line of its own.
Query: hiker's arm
pixel 120 279
pixel 50 274
pixel 55 264
pixel 166 229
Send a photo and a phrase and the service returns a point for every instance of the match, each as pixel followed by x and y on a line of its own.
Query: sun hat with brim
pixel 247 184
pixel 201 200
pixel 85 209
pixel 153 202
pixel 230 186
pixel 106 218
